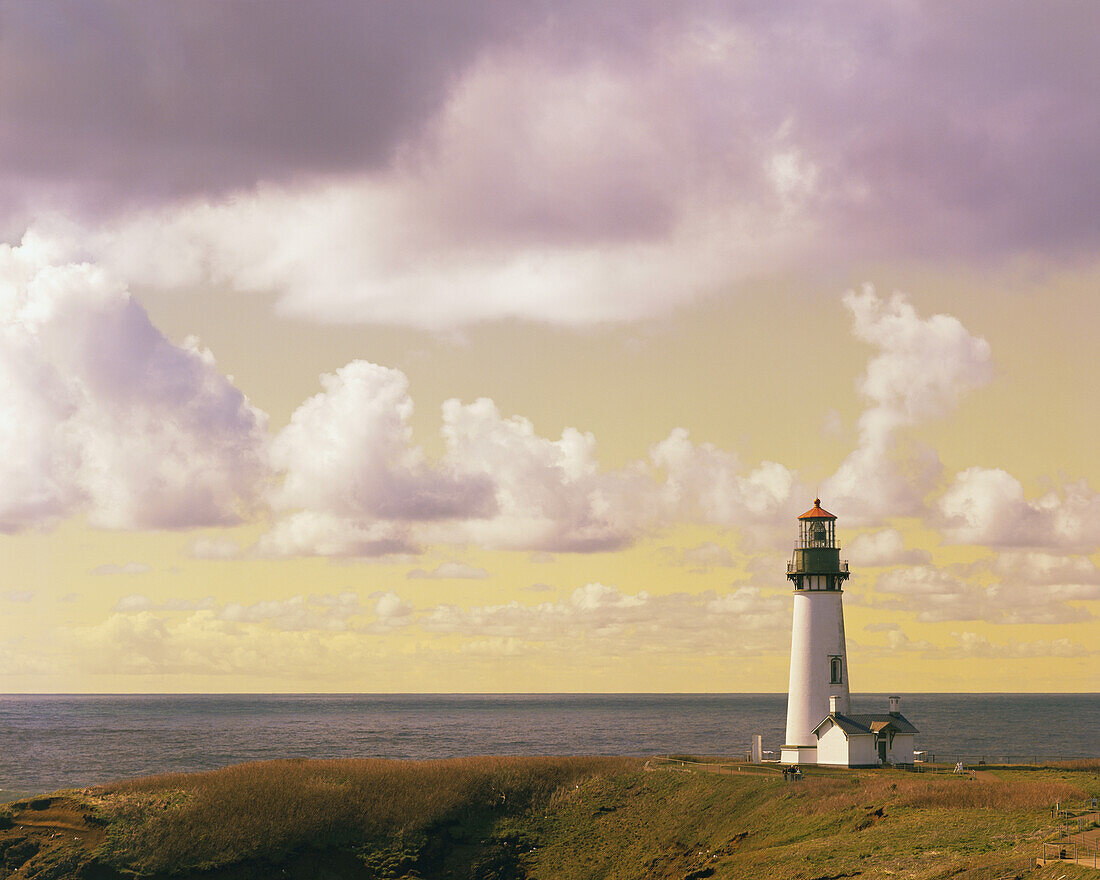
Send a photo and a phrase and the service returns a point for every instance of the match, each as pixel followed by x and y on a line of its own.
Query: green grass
pixel 576 819
pixel 880 824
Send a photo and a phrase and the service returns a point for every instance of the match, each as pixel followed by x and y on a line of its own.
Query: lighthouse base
pixel 798 755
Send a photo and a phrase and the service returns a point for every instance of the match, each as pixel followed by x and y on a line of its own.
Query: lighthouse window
pixel 835 670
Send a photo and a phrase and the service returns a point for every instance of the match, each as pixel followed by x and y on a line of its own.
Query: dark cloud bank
pixel 932 129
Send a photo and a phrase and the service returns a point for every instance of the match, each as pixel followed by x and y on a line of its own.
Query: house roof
pixel 865 725
pixel 900 723
pixel 816 512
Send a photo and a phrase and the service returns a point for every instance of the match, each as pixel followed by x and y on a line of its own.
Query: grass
pixel 876 824
pixel 271 809
pixel 574 819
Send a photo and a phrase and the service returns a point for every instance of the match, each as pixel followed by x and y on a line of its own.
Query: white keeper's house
pixel 821 729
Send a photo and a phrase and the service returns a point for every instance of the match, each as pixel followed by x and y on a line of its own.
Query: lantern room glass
pixel 817 532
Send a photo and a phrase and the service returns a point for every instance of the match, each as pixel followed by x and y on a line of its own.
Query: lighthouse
pixel 819 663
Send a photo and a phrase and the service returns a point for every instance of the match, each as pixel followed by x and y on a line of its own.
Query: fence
pixel 1075 851
pixel 975 760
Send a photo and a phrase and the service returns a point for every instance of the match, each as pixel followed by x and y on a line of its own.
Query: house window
pixel 836 669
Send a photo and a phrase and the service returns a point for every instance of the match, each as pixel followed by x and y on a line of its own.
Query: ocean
pixel 56 741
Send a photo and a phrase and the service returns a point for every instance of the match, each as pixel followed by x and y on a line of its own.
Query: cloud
pixel 219 99
pixel 390 612
pixel 99 413
pixel 327 612
pixel 1044 569
pixel 347 451
pixel 136 602
pixel 540 161
pixel 308 533
pixel 111 568
pixel 921 369
pixel 495 647
pixel 884 547
pixel 988 506
pixel 200 643
pixel 970 644
pixel 449 570
pixel 707 484
pixel 21 596
pixel 549 495
pixel 298 613
pixel 1009 595
pixel 354 484
pixel 213 548
pixel 741 621
pixel 705 555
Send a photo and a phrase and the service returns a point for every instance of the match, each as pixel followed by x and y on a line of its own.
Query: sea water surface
pixel 51 742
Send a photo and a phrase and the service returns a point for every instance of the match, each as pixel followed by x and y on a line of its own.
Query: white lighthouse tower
pixel 819 663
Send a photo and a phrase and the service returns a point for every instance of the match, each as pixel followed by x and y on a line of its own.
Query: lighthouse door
pixel 882 751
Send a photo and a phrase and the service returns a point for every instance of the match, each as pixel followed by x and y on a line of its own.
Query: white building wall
pixel 817 633
pixel 832 747
pixel 901 749
pixel 862 751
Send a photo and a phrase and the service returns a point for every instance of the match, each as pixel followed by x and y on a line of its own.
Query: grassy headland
pixel 552 818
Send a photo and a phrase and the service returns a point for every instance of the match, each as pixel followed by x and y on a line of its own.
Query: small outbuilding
pixel 861 740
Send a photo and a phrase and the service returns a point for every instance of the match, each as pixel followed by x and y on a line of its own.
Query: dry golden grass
pixel 1090 765
pixel 916 790
pixel 277 807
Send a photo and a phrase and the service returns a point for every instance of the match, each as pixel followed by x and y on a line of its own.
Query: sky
pixel 497 347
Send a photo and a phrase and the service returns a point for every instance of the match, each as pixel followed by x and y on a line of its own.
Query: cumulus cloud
pixel 309 533
pixel 988 506
pixel 707 484
pixel 99 413
pixel 347 451
pixel 884 547
pixel 353 483
pixel 921 369
pixel 549 495
pixel 390 612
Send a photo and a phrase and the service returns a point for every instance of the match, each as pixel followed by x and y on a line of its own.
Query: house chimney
pixel 895 704
pixel 833 708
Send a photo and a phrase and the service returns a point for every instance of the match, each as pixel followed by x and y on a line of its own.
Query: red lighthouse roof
pixel 816 512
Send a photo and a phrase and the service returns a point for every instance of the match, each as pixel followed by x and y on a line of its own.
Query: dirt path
pixel 47 833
